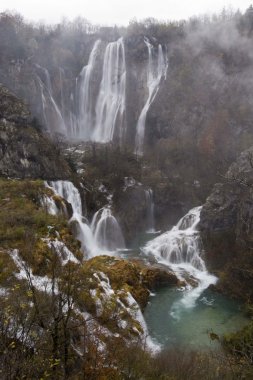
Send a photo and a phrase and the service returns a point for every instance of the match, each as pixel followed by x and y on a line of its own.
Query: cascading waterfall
pixel 100 117
pixel 104 236
pixel 111 102
pixel 107 231
pixel 156 69
pixel 150 211
pixel 70 193
pixel 85 106
pixel 181 249
pixel 52 115
pixel 181 245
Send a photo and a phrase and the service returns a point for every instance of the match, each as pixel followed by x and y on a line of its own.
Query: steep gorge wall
pixel 226 225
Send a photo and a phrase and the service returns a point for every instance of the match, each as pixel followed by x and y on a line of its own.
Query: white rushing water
pixel 156 69
pixel 89 116
pixel 181 250
pixel 150 211
pixel 70 193
pixel 95 109
pixel 107 231
pixel 110 106
pixel 98 113
pixel 85 100
pixel 104 236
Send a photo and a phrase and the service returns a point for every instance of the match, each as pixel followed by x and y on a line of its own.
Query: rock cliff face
pixel 227 228
pixel 24 151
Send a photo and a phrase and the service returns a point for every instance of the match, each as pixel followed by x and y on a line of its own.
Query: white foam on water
pixel 181 250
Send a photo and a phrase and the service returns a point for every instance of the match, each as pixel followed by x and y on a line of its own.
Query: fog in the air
pixel 115 11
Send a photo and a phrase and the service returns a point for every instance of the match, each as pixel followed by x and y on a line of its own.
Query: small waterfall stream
pixel 156 69
pixel 106 230
pixel 181 250
pixel 51 112
pixel 150 211
pixel 69 192
pixel 104 236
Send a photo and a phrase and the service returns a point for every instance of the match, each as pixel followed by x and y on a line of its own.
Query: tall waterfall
pixel 96 111
pixel 107 231
pixel 51 112
pixel 156 69
pixel 85 106
pixel 181 249
pixel 150 211
pixel 104 236
pixel 110 107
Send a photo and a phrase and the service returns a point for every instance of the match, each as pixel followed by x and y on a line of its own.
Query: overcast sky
pixel 116 11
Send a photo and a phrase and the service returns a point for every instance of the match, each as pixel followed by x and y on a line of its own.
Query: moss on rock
pixel 24 223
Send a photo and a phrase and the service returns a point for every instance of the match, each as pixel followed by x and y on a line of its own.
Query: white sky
pixel 117 11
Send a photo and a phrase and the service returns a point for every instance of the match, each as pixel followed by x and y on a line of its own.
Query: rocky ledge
pixel 24 151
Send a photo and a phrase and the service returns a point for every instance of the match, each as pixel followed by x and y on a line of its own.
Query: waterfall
pixel 110 107
pixel 156 69
pixel 150 211
pixel 99 115
pixel 70 193
pixel 107 231
pixel 181 250
pixel 85 106
pixel 104 236
pixel 67 191
pixel 51 113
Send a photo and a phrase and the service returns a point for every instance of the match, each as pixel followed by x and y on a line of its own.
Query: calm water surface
pixel 191 326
